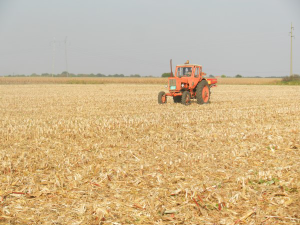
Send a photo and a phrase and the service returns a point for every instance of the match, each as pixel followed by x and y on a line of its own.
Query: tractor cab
pixel 187 76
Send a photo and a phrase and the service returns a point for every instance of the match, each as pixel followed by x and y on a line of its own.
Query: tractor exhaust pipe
pixel 171 68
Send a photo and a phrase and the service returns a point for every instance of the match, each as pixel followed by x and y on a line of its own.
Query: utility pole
pixel 291 69
pixel 53 55
pixel 66 55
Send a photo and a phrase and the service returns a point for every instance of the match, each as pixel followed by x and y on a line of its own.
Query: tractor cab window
pixel 184 71
pixel 197 72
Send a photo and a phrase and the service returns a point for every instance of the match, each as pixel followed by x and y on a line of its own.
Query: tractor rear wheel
pixel 162 98
pixel 177 99
pixel 186 98
pixel 203 92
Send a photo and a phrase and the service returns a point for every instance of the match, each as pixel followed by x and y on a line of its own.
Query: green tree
pixel 135 75
pixel 166 75
pixel 212 76
pixel 223 76
pixel 64 74
pixel 116 75
pixel 238 76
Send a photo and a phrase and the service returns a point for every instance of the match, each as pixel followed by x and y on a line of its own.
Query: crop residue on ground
pixel 103 154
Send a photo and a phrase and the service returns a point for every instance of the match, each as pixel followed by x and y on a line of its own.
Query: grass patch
pixel 291 80
pixel 274 180
pixel 289 83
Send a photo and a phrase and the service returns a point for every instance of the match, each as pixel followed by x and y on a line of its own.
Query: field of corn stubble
pixel 109 154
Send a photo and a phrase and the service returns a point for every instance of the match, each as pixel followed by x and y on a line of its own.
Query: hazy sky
pixel 248 37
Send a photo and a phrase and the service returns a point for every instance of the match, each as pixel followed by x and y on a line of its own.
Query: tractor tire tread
pixel 184 96
pixel 160 94
pixel 199 89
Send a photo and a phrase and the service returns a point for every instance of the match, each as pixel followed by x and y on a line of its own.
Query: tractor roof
pixel 189 65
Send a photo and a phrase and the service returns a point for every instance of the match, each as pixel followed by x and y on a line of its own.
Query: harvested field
pixel 123 80
pixel 248 81
pixel 109 154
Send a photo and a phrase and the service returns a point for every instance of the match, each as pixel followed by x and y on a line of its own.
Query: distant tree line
pixel 166 75
pixel 211 76
pixel 223 76
pixel 66 74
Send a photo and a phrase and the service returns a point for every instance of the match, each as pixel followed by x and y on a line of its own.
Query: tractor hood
pixel 183 79
pixel 176 82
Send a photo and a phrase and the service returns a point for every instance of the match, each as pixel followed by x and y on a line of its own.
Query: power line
pixel 291 69
pixel 66 55
pixel 53 43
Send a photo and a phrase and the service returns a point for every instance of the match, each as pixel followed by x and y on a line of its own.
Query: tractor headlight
pixel 182 85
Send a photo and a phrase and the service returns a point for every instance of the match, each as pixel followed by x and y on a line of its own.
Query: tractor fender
pixel 209 84
pixel 200 82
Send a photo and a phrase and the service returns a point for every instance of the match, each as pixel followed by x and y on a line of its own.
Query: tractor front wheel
pixel 162 98
pixel 203 92
pixel 186 98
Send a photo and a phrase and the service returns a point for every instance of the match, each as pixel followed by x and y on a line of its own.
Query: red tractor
pixel 188 83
